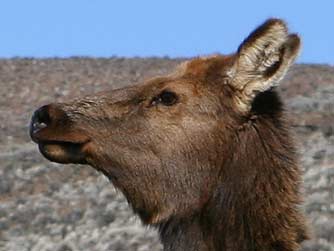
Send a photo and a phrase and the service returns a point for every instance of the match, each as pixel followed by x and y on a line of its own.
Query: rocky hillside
pixel 51 207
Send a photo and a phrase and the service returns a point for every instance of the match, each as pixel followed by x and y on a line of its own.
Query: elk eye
pixel 166 98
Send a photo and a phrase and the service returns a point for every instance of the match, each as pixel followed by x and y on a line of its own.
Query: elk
pixel 203 154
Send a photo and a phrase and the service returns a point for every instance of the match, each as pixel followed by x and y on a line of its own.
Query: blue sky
pixel 175 28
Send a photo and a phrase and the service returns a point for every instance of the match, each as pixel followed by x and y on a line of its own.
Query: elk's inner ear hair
pixel 262 60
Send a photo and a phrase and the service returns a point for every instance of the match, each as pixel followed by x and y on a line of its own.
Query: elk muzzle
pixel 57 138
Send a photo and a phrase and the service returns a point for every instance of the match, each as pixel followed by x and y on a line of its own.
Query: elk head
pixel 165 142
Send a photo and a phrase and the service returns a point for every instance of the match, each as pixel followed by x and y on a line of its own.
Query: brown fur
pixel 211 165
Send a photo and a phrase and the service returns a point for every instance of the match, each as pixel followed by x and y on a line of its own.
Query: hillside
pixel 50 207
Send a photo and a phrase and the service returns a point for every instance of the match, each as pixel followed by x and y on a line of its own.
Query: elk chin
pixel 63 152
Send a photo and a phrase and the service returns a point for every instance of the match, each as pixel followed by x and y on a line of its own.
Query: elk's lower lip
pixel 63 152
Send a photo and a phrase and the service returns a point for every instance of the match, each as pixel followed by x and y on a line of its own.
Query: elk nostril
pixel 38 126
pixel 41 119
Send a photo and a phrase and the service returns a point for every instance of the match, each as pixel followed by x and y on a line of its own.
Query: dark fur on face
pixel 203 154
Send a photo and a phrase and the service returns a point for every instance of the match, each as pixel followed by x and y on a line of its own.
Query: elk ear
pixel 262 60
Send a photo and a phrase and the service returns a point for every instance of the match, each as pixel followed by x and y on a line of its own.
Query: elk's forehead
pixel 179 85
pixel 203 66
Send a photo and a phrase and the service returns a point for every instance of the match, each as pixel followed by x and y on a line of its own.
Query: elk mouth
pixel 61 147
pixel 64 152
